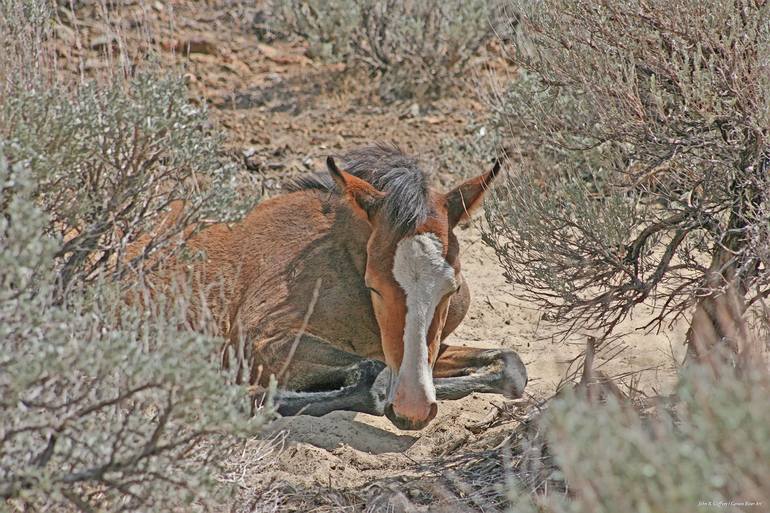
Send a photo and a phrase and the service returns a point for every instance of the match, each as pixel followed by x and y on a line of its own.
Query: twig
pixel 302 329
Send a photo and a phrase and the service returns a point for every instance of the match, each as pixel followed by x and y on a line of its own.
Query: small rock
pixel 204 58
pixel 94 64
pixel 281 57
pixel 262 26
pixel 251 159
pixel 320 51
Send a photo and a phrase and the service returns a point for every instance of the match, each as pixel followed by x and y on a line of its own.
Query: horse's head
pixel 412 272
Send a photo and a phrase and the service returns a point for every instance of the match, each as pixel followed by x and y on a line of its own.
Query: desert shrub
pixel 643 133
pixel 108 155
pixel 107 163
pixel 102 407
pixel 24 27
pixel 416 48
pixel 708 450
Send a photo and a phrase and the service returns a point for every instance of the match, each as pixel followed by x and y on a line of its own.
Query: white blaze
pixel 422 271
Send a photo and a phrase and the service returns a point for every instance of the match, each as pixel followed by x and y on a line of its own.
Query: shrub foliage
pixel 709 449
pixel 109 161
pixel 417 48
pixel 104 407
pixel 101 406
pixel 645 130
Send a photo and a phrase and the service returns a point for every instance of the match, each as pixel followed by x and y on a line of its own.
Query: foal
pixel 346 287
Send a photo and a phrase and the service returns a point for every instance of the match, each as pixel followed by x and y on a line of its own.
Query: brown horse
pixel 345 289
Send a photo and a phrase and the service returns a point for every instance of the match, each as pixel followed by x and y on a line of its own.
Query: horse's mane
pixel 388 169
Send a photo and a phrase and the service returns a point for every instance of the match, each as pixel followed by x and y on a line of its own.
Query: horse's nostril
pixel 433 412
pixel 389 411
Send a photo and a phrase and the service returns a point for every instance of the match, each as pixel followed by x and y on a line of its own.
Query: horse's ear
pixel 362 196
pixel 466 197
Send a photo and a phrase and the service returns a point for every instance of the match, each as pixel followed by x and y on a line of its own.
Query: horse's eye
pixel 370 289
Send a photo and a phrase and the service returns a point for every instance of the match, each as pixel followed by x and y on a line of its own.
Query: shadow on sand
pixel 340 427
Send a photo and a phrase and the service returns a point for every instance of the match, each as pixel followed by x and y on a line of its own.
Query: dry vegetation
pixel 653 119
pixel 418 49
pixel 104 407
pixel 638 135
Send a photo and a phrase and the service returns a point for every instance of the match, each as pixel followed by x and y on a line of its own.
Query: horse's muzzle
pixel 407 423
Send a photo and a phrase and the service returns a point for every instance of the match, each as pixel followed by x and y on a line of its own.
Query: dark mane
pixel 389 170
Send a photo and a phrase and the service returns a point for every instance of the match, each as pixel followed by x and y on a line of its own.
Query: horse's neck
pixel 332 260
pixel 288 243
pixel 339 249
pixel 352 234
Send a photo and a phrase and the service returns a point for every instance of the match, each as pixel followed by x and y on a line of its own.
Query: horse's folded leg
pixel 320 403
pixel 507 376
pixel 363 392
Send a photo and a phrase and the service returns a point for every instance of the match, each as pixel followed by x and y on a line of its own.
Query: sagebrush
pixel 108 161
pixel 642 136
pixel 102 406
pixel 415 49
pixel 105 406
pixel 706 448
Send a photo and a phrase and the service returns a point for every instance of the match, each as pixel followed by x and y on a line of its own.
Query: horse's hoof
pixel 513 375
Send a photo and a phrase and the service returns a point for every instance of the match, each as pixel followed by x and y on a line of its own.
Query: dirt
pixel 282 113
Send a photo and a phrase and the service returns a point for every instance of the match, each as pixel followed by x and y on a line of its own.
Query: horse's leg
pixel 316 378
pixel 322 378
pixel 361 391
pixel 460 371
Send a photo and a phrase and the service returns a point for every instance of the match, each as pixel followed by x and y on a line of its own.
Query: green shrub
pixel 417 48
pixel 109 160
pixel 102 407
pixel 707 451
pixel 105 407
pixel 642 134
pixel 25 25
